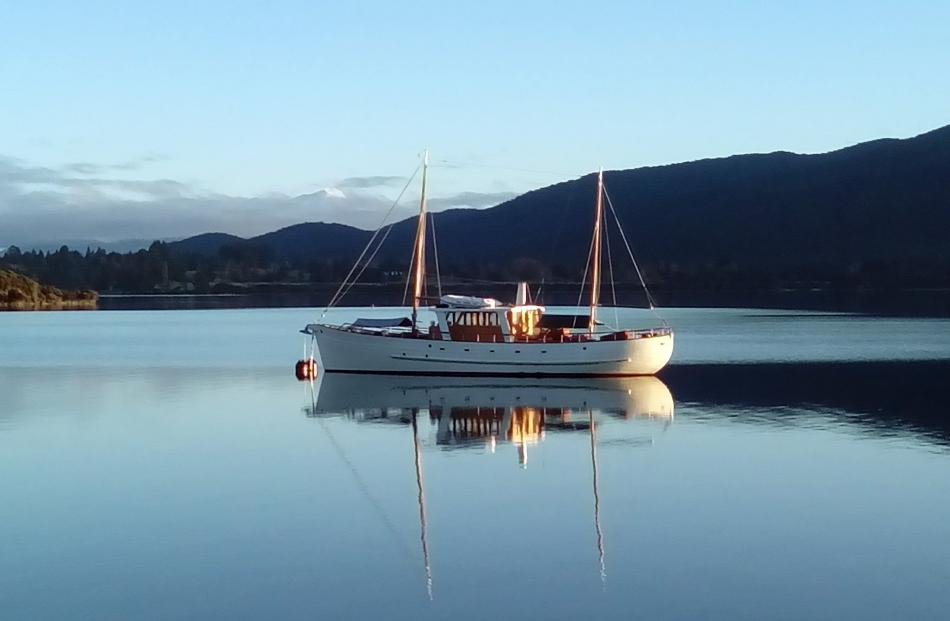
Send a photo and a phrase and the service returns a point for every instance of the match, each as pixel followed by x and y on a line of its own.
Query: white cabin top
pixel 468 301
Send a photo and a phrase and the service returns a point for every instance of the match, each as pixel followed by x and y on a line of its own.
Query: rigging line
pixel 610 267
pixel 580 294
pixel 369 261
pixel 405 291
pixel 336 296
pixel 451 164
pixel 623 236
pixel 629 250
pixel 364 488
pixel 435 251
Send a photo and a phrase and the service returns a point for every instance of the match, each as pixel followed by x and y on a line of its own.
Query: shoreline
pixel 79 305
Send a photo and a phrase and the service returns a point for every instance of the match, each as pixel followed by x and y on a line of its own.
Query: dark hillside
pixel 880 206
pixel 872 216
pixel 206 244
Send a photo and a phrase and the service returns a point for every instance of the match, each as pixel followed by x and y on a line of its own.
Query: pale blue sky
pixel 247 99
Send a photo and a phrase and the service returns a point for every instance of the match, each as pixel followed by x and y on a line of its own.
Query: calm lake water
pixel 167 465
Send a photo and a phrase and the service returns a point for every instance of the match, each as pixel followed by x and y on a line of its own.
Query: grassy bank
pixel 18 292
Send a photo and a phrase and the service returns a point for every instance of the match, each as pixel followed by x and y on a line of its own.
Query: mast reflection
pixel 423 531
pixel 597 529
pixel 468 413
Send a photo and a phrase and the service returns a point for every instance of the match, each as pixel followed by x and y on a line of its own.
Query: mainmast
pixel 595 279
pixel 419 254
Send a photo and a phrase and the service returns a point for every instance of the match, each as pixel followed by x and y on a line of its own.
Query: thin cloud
pixel 82 201
pixel 475 200
pixel 89 168
pixel 376 181
pixel 84 168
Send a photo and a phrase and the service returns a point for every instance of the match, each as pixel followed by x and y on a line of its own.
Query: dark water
pixel 905 303
pixel 166 465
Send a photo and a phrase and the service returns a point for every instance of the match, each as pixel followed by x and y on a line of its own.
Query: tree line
pixel 161 268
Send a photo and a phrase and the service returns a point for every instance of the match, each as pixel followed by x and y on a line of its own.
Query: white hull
pixel 341 350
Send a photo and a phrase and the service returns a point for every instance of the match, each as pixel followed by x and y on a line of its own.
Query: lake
pixel 168 465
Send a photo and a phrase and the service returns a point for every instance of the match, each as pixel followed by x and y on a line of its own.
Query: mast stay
pixel 633 259
pixel 601 234
pixel 348 283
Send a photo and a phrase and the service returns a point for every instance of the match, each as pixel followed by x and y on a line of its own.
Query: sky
pixel 141 120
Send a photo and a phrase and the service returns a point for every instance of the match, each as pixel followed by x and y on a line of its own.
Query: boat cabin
pixel 466 318
pixel 493 324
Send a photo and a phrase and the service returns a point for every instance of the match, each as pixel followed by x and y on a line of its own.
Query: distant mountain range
pixel 882 205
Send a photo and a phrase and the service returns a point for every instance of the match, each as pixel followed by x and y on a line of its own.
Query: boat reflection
pixel 469 413
pixel 483 412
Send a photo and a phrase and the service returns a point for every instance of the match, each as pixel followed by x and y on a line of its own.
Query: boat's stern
pixel 649 351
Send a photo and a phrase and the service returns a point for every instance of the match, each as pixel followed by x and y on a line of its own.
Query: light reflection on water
pixel 157 483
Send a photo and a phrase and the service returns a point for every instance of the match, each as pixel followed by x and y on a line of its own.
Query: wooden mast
pixel 595 278
pixel 419 253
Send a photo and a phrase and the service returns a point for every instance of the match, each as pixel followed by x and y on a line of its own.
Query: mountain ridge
pixel 876 214
pixel 776 209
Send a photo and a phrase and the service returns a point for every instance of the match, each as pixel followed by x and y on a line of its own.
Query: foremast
pixel 595 253
pixel 419 249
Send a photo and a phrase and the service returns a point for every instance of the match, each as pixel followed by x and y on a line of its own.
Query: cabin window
pixel 481 319
pixel 524 321
pixel 474 325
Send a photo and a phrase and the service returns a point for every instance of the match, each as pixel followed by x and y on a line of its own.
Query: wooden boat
pixel 473 336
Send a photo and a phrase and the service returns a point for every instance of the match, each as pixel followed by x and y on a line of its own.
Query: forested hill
pixel 874 214
pixel 881 205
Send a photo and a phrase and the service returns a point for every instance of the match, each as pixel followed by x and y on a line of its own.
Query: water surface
pixel 166 464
